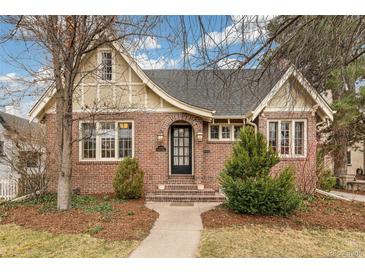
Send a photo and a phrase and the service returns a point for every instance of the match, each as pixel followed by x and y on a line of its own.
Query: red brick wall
pixel 209 157
pixel 305 168
pixel 97 176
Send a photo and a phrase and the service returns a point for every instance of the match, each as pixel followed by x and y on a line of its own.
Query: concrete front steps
pixel 184 190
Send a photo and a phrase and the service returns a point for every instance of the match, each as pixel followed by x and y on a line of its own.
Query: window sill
pixel 220 142
pixel 98 162
pixel 293 158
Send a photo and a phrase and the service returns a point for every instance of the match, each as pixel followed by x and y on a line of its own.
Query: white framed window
pixel 288 137
pixel 106 62
pixel 223 132
pixel 106 140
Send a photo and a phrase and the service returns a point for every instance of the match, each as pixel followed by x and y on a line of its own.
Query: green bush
pixel 247 183
pixel 327 181
pixel 128 182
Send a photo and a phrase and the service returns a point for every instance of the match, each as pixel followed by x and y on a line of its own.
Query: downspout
pixel 249 122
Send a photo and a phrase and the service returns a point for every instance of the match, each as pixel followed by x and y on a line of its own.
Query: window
pixel 1 148
pixel 226 132
pixel 107 66
pixel 214 132
pixel 299 138
pixel 107 140
pixel 348 158
pixel 88 141
pixel 288 138
pixel 273 135
pixel 30 158
pixel 125 139
pixel 236 131
pixel 285 139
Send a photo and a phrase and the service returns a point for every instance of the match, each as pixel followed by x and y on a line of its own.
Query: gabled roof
pixel 212 93
pixel 227 92
pixel 20 126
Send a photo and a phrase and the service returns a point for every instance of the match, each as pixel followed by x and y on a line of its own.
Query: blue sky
pixel 154 52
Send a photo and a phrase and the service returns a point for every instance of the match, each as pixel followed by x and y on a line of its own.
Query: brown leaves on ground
pixel 129 220
pixel 321 212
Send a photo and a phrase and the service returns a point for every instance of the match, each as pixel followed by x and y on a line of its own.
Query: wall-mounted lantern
pixel 199 136
pixel 160 136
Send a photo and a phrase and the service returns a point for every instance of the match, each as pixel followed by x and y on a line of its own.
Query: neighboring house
pixel 16 140
pixel 181 124
pixel 355 158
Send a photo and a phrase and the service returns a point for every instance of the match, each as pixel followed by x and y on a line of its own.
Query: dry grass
pixel 269 242
pixel 16 241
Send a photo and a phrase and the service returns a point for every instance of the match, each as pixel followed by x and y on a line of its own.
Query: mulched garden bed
pixel 321 212
pixel 102 218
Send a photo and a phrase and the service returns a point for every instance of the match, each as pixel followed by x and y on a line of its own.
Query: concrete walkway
pixel 350 196
pixel 176 233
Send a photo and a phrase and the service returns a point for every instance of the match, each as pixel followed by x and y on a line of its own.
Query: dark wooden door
pixel 181 159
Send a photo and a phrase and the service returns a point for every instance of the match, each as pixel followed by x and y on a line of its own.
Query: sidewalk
pixel 176 233
pixel 350 196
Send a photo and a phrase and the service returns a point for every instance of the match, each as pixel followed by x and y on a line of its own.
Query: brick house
pixel 181 124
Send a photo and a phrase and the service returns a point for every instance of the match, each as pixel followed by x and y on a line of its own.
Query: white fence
pixel 8 189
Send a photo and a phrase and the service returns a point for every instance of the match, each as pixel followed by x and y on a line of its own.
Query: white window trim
pixel 220 132
pixel 98 157
pixel 292 136
pixel 99 52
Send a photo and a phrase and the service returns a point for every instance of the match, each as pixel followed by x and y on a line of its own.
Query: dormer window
pixel 107 66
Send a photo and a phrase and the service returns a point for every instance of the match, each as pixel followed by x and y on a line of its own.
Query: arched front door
pixel 181 149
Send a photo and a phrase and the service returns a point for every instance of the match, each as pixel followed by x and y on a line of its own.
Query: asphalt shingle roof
pixel 228 92
pixel 20 125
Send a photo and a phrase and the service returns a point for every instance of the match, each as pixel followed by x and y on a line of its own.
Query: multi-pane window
pixel 214 132
pixel 107 139
pixel 88 141
pixel 125 139
pixel 226 132
pixel 107 66
pixel 273 135
pixel 299 138
pixel 285 138
pixel 236 131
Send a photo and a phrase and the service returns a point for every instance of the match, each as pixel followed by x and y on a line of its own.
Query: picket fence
pixel 8 189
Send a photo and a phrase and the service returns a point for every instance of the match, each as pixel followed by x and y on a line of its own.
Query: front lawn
pixel 261 241
pixel 323 227
pixel 20 242
pixel 94 222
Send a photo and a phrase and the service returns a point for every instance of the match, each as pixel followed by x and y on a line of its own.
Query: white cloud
pixel 149 63
pixel 243 29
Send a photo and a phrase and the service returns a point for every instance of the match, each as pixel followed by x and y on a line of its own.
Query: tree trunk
pixel 65 154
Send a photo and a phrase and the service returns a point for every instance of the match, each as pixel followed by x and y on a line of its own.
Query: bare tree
pixel 65 41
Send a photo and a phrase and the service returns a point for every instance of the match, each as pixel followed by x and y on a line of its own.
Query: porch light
pixel 199 136
pixel 160 136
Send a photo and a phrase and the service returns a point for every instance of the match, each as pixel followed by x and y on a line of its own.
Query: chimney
pixel 13 110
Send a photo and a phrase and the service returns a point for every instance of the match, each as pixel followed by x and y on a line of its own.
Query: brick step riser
pixel 184 199
pixel 172 192
pixel 180 182
pixel 181 187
